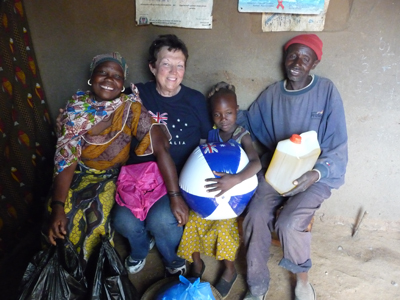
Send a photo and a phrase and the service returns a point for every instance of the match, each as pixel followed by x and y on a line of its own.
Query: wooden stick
pixel 359 223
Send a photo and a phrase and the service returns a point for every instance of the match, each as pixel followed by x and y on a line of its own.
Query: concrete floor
pixel 153 271
pixel 344 267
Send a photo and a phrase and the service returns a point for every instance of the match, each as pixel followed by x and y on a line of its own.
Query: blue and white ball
pixel 221 157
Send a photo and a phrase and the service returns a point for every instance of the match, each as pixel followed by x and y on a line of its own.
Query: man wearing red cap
pixel 300 103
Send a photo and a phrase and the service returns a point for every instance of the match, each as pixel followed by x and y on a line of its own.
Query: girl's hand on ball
pixel 222 184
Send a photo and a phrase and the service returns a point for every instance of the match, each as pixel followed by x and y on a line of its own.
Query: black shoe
pixel 224 287
pixel 196 274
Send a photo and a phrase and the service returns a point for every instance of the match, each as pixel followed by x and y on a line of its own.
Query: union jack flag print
pixel 209 148
pixel 159 118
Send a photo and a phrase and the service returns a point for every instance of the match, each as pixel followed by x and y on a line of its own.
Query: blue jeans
pixel 160 223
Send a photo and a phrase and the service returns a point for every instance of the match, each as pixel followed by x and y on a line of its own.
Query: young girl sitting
pixel 220 239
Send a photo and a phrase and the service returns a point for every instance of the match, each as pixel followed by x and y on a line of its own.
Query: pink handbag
pixel 139 186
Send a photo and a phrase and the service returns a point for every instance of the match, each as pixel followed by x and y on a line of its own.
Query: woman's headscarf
pixel 114 56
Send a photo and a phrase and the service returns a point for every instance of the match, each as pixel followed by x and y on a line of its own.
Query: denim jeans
pixel 159 223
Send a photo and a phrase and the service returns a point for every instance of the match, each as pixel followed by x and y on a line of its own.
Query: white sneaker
pixel 152 243
pixel 175 271
pixel 134 266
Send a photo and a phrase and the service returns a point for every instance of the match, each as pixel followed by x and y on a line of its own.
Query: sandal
pixel 224 287
pixel 196 274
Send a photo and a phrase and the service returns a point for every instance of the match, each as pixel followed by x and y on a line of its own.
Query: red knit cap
pixel 310 40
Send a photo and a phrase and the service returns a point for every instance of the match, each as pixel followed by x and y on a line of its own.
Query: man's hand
pixel 58 224
pixel 302 183
pixel 180 210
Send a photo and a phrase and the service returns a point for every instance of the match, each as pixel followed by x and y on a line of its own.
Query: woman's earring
pixel 89 83
pixel 123 90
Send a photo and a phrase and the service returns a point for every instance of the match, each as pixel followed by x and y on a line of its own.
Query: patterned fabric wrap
pixel 80 115
pixel 114 56
pixel 87 208
pixel 92 191
pixel 130 119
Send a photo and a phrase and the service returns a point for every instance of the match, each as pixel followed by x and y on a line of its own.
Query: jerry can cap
pixel 295 138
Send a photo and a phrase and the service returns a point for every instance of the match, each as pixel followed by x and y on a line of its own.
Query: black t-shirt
pixel 186 115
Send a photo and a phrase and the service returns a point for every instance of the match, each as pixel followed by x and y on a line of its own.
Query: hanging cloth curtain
pixel 27 139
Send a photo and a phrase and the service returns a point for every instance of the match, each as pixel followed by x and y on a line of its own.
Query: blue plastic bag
pixel 186 290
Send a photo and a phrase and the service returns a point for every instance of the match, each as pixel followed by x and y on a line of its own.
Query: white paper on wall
pixel 175 13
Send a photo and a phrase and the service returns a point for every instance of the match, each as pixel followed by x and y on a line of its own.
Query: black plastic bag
pixel 111 281
pixel 54 273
